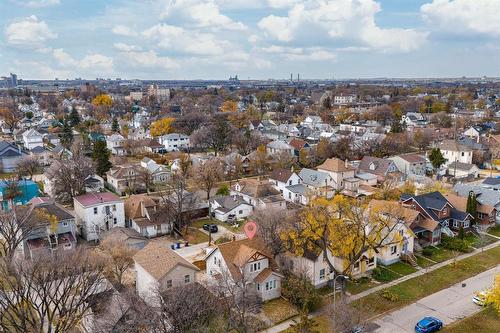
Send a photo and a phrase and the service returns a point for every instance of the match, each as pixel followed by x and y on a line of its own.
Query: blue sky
pixel 213 39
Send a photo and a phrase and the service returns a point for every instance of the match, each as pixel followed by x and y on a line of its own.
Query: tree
pixel 259 160
pixel 397 125
pixel 177 201
pixel 68 175
pixel 472 206
pixel 28 166
pixel 51 294
pixel 216 136
pixel 422 139
pixel 66 135
pixel 161 127
pixel 229 106
pixel 11 117
pixel 208 174
pixel 493 296
pixel 270 224
pixel 115 127
pixel 223 190
pixel 74 117
pixel 118 258
pixel 304 158
pixel 436 158
pixel 327 102
pixel 101 155
pixel 102 100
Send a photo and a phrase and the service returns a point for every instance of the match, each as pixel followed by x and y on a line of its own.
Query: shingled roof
pixel 281 175
pixel 335 165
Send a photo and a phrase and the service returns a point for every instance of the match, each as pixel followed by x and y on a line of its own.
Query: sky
pixel 256 39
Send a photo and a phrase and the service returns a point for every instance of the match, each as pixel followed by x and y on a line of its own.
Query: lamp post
pixel 334 293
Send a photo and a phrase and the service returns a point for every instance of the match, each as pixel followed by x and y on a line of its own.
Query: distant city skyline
pixel 260 39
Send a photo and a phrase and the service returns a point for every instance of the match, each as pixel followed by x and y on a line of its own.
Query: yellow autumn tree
pixel 102 100
pixel 162 127
pixel 229 106
pixel 347 228
pixel 493 297
pixel 44 216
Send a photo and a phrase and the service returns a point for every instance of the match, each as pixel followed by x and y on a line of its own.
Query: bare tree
pixel 270 224
pixel 118 258
pixel 208 174
pixel 51 294
pixel 177 201
pixel 28 166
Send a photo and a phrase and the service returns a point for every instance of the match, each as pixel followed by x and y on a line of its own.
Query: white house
pixel 279 147
pixel 32 138
pixel 143 214
pixel 224 206
pixel 462 170
pixel 158 172
pixel 245 262
pixel 455 152
pixel 320 183
pixel 116 143
pixel 97 212
pixel 159 268
pixel 338 170
pixel 410 164
pixel 174 141
pixel 282 178
pixel 344 99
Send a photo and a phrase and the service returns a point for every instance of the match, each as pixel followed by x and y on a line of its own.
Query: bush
pixel 455 244
pixel 299 291
pixel 388 295
pixel 427 251
pixel 381 275
pixel 223 190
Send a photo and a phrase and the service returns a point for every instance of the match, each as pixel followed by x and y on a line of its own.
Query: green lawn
pixel 279 310
pixel 424 262
pixel 402 268
pixel 360 285
pixel 495 231
pixel 416 288
pixel 478 242
pixel 382 274
pixel 439 254
pixel 486 321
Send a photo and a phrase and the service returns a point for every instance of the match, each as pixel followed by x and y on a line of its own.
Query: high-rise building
pixel 161 94
pixel 13 80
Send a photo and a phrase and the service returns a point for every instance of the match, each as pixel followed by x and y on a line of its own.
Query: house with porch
pixel 143 214
pixel 340 171
pixel 282 178
pixel 229 205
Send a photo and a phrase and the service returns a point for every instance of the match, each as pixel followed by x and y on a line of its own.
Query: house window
pixel 65 224
pixel 114 221
pixel 215 260
pixel 240 211
pixel 271 285
pixel 290 182
pixel 169 283
pixel 258 286
pixel 394 248
pixel 255 267
pixel 187 278
pixel 455 223
pixel 401 233
pixel 114 208
pixel 371 261
pixel 322 274
pixel 466 224
pixel 95 210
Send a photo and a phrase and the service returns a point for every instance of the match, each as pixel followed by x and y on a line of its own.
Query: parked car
pixel 479 297
pixel 428 325
pixel 212 228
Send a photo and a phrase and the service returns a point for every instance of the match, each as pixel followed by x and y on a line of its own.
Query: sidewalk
pixel 286 324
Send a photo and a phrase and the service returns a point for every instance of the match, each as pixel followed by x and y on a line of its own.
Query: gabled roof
pixel 491 181
pixel 452 145
pixel 229 202
pixel 435 201
pixel 281 175
pixel 298 144
pixel 461 166
pixel 91 199
pixel 158 260
pixel 9 150
pixel 134 203
pixel 335 165
pixel 395 209
pixel 315 178
pixel 413 158
pixel 461 204
pixel 256 188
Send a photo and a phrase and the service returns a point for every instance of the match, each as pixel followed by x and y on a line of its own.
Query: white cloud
pixel 123 30
pixel 199 14
pixel 29 32
pixel 94 61
pixel 343 21
pixel 37 3
pixel 126 47
pixel 301 54
pixel 463 16
pixel 148 59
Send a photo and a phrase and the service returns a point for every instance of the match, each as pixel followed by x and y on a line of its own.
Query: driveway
pixel 448 305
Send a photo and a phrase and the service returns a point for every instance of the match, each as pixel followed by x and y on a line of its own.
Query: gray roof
pixel 229 202
pixel 8 150
pixel 484 196
pixel 461 166
pixel 315 178
pixel 297 188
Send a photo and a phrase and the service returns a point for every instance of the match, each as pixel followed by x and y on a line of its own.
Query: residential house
pixel 455 152
pixel 245 262
pixel 159 174
pixel 32 138
pixel 10 155
pixel 174 141
pixel 462 170
pixel 94 183
pixel 414 119
pixel 143 214
pixel 435 207
pixel 410 164
pixel 298 145
pixel 340 171
pixel 48 237
pixel 477 131
pixel 279 147
pixel 116 144
pixel 484 196
pixel 282 178
pixel 98 212
pixel 127 236
pixel 486 214
pixel 42 155
pixel 158 267
pixel 259 193
pixel 230 205
pixel 128 178
pixel 381 167
pixel 313 183
pixel 153 146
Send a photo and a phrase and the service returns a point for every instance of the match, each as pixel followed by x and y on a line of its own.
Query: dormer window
pixel 372 166
pixel 255 267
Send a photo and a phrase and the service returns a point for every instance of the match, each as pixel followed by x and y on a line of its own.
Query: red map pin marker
pixel 250 229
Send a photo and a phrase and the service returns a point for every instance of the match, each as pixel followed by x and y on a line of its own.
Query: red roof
pixel 91 199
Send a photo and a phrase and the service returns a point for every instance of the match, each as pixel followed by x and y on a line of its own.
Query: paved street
pixel 448 305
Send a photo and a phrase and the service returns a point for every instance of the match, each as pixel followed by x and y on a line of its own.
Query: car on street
pixel 428 325
pixel 480 297
pixel 212 228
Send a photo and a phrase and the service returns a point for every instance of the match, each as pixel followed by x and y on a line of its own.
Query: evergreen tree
pixel 397 125
pixel 74 117
pixel 436 158
pixel 66 135
pixel 115 127
pixel 100 156
pixel 472 206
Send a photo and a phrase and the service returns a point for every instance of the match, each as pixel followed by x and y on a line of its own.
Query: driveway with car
pixel 448 305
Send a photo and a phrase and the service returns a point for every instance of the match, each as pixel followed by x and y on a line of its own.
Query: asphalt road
pixel 448 305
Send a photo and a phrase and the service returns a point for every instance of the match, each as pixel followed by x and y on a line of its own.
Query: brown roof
pixel 334 165
pixel 428 224
pixel 262 276
pixel 257 188
pixel 452 145
pixel 157 259
pixel 298 144
pixel 237 253
pixel 381 165
pixel 133 205
pixel 413 158
pixel 281 175
pixel 460 203
pixel 396 209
